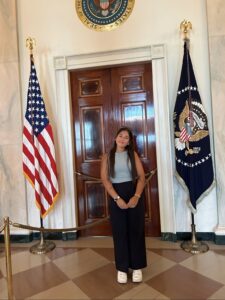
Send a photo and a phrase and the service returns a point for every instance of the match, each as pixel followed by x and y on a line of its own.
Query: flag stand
pixel 194 246
pixel 43 246
pixel 34 137
pixel 188 85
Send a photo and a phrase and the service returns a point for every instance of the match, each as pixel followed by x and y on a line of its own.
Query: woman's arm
pixel 105 178
pixel 140 182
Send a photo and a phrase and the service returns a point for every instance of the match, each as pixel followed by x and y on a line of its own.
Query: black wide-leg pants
pixel 128 229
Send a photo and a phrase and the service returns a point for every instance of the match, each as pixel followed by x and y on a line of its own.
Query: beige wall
pixel 12 188
pixel 216 28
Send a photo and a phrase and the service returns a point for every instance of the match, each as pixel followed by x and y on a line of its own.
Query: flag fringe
pixel 37 204
pixel 50 208
pixel 205 193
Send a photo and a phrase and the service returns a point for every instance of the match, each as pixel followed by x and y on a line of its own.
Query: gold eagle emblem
pixel 199 125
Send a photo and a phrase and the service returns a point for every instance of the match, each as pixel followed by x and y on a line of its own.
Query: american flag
pixel 184 136
pixel 104 4
pixel 39 164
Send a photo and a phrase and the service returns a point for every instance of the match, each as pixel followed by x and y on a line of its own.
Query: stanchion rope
pixel 2 227
pixel 58 229
pixel 18 225
pixel 148 175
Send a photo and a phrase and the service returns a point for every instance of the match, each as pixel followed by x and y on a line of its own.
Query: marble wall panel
pixel 216 13
pixel 10 107
pixel 216 30
pixel 12 191
pixel 8 31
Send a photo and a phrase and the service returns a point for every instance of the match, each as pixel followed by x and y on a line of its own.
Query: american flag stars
pixel 187 88
pixel 36 112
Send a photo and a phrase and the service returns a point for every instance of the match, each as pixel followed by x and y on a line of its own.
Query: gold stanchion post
pixel 8 258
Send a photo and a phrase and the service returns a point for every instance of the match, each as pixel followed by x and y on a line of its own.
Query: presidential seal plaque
pixel 103 15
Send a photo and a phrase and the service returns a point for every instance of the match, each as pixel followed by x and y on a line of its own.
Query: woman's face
pixel 122 140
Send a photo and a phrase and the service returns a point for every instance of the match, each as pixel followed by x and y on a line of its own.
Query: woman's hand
pixel 133 202
pixel 121 203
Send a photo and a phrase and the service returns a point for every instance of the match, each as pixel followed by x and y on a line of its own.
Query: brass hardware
pixel 30 43
pixel 8 258
pixel 148 176
pixel 185 27
pixel 194 246
pixel 43 246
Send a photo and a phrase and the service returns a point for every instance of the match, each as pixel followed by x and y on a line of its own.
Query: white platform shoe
pixel 137 276
pixel 121 277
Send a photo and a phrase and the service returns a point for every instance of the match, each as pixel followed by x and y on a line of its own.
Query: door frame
pixel 163 125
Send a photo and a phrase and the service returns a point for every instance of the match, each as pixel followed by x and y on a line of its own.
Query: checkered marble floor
pixel 84 269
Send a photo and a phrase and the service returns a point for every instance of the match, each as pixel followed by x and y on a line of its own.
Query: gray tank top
pixel 122 168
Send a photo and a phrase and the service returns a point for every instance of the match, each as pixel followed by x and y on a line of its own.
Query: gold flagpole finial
pixel 30 43
pixel 185 27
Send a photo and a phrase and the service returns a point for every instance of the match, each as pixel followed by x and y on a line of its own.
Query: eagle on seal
pixel 195 123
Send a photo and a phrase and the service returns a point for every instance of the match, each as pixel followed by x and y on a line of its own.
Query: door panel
pixel 89 91
pixel 92 133
pixel 102 101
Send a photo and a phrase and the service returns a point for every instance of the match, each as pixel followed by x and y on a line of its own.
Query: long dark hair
pixel 130 151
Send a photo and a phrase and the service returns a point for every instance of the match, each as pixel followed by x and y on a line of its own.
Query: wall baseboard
pixel 201 236
pixel 220 239
pixel 27 238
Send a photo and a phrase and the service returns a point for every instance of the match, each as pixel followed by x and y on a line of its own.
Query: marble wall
pixel 216 30
pixel 12 191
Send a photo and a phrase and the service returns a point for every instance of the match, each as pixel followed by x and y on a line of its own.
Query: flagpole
pixel 43 246
pixel 192 246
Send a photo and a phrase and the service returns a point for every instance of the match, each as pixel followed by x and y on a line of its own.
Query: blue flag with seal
pixel 194 168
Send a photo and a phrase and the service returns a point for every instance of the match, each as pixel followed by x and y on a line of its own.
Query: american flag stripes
pixel 184 136
pixel 39 164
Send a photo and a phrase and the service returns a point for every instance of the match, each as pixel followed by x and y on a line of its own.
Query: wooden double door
pixel 102 101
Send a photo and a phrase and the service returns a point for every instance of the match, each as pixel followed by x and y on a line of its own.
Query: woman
pixel 123 177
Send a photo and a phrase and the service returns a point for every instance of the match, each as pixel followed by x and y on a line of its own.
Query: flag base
pixel 42 247
pixel 194 246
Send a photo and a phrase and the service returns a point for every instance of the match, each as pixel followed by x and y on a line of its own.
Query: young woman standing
pixel 123 177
